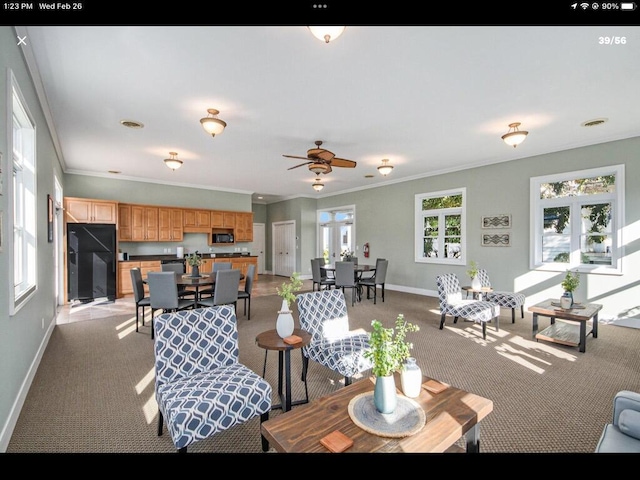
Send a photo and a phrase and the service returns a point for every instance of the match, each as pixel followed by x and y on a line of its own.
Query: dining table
pixel 358 270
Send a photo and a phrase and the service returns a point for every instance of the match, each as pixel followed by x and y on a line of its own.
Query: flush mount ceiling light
pixel 173 163
pixel 326 34
pixel 317 186
pixel 385 168
pixel 514 137
pixel 212 125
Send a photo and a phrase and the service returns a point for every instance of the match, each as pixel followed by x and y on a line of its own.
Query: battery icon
pixel 628 6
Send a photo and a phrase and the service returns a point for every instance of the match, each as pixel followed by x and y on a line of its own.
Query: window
pixel 440 235
pixel 577 220
pixel 336 232
pixel 24 199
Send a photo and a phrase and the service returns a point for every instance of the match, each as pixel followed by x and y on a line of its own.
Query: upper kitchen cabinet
pixel 196 221
pixel 85 210
pixel 170 224
pixel 244 227
pixel 144 223
pixel 222 219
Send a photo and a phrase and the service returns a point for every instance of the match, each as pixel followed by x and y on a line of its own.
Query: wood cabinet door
pixel 244 227
pixel 137 223
pixel 125 287
pixel 124 223
pixel 203 218
pixel 78 211
pixel 229 220
pixel 217 219
pixel 151 224
pixel 169 224
pixel 104 212
pixel 177 233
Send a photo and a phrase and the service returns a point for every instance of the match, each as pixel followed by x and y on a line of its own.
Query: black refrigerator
pixel 91 261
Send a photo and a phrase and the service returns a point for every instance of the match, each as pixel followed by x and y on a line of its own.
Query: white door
pixel 284 248
pixel 258 245
pixel 336 233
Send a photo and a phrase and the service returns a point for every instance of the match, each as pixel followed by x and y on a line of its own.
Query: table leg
pixel 535 324
pixel 472 438
pixel 594 328
pixel 280 368
pixel 287 380
pixel 583 336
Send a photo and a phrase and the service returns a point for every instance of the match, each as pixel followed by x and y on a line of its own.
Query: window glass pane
pixel 449 201
pixel 595 238
pixel 577 187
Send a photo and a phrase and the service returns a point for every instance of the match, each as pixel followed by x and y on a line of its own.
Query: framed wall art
pixel 496 239
pixel 496 221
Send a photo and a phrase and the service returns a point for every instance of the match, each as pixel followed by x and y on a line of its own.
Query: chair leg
pixel 143 315
pixel 497 319
pixel 522 310
pixel 182 450
pixel 347 381
pixel 249 301
pixel 137 313
pixel 159 423
pixel 442 321
pixel 513 315
pixel 383 292
pixel 484 330
pixel 375 294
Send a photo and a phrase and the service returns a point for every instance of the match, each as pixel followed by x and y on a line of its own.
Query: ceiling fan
pixel 321 160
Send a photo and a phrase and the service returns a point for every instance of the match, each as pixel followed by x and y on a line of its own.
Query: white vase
pixel 411 378
pixel 475 283
pixel 284 323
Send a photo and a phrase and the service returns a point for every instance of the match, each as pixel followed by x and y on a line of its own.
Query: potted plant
pixel 284 323
pixel 473 275
pixel 194 260
pixel 388 350
pixel 569 284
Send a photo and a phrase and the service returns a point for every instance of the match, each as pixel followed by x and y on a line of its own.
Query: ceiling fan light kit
pixel 212 125
pixel 320 160
pixel 514 136
pixel 326 34
pixel 173 163
pixel 317 186
pixel 385 168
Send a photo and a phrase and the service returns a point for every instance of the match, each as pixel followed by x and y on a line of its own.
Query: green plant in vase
pixel 285 324
pixel 473 275
pixel 194 261
pixel 570 283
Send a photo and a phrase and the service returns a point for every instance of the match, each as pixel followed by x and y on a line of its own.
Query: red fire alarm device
pixel 365 249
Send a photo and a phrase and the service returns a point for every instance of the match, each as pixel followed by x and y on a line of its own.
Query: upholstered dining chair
pixel 208 291
pixel 346 278
pixel 178 268
pixel 333 345
pixel 379 278
pixel 452 303
pixel 316 275
pixel 245 294
pixel 201 387
pixel 163 295
pixel 138 294
pixel 225 291
pixel 510 300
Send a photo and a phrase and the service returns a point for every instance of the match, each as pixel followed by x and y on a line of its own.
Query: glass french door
pixel 336 231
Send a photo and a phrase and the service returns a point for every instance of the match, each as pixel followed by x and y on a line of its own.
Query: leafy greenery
pixel 287 289
pixel 194 260
pixel 571 281
pixel 473 269
pixel 388 348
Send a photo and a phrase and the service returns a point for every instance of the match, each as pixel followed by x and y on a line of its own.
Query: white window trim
pixel 418 222
pixel 617 227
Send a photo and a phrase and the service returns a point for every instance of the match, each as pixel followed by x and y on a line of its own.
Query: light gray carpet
pixel 93 391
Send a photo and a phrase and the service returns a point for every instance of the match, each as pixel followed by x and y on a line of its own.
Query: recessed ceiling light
pixel 594 122
pixel 115 171
pixel 131 124
pixel 368 175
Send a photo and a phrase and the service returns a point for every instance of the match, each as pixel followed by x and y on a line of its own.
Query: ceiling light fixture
pixel 173 163
pixel 317 186
pixel 212 125
pixel 319 168
pixel 326 34
pixel 385 168
pixel 514 137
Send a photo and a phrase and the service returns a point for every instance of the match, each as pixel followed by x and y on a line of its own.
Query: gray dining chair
pixel 163 294
pixel 138 294
pixel 245 294
pixel 378 278
pixel 322 281
pixel 178 268
pixel 217 266
pixel 346 278
pixel 226 289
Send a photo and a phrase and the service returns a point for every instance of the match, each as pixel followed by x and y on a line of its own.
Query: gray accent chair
pixel 245 294
pixel 163 293
pixel 333 345
pixel 201 387
pixel 138 294
pixel 452 303
pixel 622 435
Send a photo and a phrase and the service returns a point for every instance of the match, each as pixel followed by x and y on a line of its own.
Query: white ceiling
pixel 430 99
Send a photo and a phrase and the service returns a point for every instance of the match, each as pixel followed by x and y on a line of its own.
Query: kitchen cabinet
pixel 144 223
pixel 242 264
pixel 85 210
pixel 170 223
pixel 125 232
pixel 196 220
pixel 125 287
pixel 244 227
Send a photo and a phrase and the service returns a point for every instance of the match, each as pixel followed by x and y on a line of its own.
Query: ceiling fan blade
pixel 295 156
pixel 342 162
pixel 305 163
pixel 325 155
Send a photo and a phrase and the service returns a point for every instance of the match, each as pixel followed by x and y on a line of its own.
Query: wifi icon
pixel 584 5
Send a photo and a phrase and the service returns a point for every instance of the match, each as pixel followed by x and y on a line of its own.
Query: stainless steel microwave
pixel 223 238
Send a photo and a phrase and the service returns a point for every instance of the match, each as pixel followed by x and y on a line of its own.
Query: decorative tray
pixel 575 306
pixel 191 276
pixel 407 419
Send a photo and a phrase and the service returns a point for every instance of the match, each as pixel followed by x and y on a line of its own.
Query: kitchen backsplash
pixel 191 243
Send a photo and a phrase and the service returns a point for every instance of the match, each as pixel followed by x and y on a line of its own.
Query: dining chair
pixel 178 268
pixel 201 388
pixel 378 278
pixel 163 294
pixel 245 294
pixel 346 278
pixel 510 300
pixel 328 273
pixel 138 294
pixel 333 345
pixel 225 291
pixel 452 303
pixel 208 292
pixel 317 277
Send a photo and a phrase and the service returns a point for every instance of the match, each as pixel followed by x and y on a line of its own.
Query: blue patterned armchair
pixel 201 388
pixel 324 315
pixel 452 303
pixel 510 300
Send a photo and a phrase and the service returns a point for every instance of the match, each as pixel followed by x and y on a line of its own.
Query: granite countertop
pixel 152 258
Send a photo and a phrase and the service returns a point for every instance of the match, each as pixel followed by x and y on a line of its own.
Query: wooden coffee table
pixel 562 332
pixel 451 414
